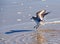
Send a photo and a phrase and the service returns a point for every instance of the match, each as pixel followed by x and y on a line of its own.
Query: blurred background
pixel 20 11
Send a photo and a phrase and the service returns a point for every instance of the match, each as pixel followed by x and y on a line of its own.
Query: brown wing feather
pixel 37 13
pixel 41 14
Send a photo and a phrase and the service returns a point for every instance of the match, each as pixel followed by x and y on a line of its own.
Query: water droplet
pixel 46 5
pixel 23 40
pixel 18 19
pixel 29 14
pixel 2 40
pixel 32 20
pixel 19 12
pixel 30 7
pixel 43 0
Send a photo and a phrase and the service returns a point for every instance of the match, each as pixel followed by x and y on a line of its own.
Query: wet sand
pixel 48 36
pixel 19 38
pixel 41 36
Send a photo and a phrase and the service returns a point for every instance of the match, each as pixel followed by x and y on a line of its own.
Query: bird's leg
pixel 36 26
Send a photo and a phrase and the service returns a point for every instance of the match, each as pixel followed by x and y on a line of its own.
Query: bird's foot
pixel 36 26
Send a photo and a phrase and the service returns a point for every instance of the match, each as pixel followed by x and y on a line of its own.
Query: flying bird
pixel 39 18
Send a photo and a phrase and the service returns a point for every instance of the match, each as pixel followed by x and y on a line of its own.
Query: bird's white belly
pixel 42 23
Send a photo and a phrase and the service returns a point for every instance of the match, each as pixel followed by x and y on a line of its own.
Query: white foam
pixel 19 20
pixel 19 12
pixel 43 0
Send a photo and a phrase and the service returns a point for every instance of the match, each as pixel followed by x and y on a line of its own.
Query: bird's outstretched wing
pixel 41 14
pixel 46 13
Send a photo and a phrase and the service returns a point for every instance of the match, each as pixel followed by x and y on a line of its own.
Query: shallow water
pixel 48 36
pixel 40 36
pixel 19 38
pixel 16 31
pixel 16 14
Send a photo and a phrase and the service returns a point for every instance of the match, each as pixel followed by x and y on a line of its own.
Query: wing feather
pixel 40 14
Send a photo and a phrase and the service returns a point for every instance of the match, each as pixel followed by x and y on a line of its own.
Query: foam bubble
pixel 19 12
pixel 43 0
pixel 18 19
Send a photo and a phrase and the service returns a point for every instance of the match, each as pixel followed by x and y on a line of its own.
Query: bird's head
pixel 33 17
